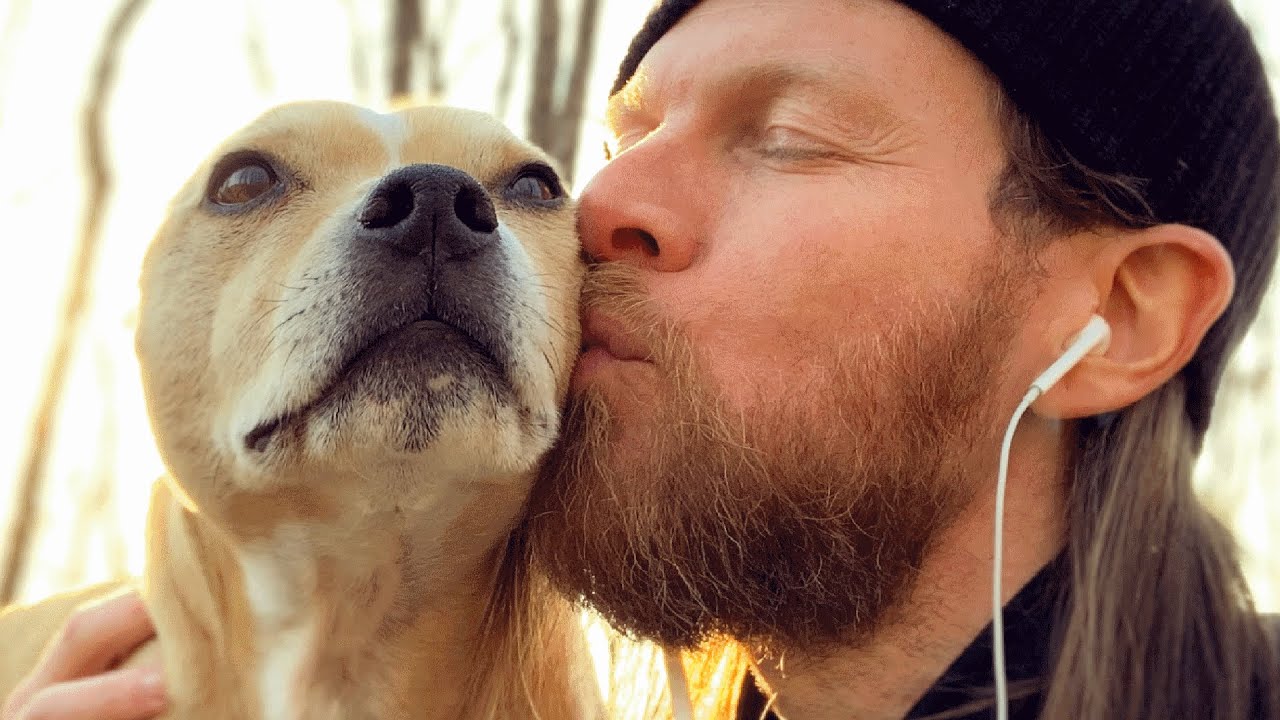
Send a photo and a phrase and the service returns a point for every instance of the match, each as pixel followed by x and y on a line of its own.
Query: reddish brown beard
pixel 801 525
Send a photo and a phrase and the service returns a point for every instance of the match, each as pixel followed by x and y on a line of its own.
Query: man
pixel 837 241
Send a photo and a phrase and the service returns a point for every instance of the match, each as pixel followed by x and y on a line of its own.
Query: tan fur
pixel 390 570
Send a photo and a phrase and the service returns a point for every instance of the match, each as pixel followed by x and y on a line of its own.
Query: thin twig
pixel 569 124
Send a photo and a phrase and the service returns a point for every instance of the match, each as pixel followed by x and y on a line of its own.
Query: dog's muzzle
pixel 423 290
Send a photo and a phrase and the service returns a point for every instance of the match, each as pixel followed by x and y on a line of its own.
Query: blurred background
pixel 106 106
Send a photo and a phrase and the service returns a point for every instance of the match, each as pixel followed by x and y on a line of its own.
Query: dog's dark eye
pixel 241 179
pixel 536 183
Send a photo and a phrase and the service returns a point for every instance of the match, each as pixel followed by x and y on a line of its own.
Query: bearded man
pixel 836 242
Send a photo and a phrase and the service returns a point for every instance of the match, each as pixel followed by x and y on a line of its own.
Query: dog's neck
pixel 325 620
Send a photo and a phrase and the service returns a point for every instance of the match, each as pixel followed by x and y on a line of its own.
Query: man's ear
pixel 1160 289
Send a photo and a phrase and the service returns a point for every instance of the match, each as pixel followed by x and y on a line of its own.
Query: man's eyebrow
pixel 841 89
pixel 757 85
pixel 772 79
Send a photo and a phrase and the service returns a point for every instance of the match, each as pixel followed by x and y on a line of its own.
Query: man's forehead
pixel 868 55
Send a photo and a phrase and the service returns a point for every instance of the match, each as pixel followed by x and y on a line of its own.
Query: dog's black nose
pixel 422 208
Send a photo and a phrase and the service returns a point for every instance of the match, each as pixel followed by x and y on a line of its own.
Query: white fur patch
pixel 279 676
pixel 285 630
pixel 390 128
pixel 267 588
pixel 530 326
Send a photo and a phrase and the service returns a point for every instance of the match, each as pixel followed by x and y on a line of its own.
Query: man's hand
pixel 75 679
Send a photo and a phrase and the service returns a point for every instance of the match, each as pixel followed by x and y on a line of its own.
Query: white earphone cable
pixel 997 562
pixel 678 686
pixel 1095 335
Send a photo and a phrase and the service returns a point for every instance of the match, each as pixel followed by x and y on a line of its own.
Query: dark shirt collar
pixel 1028 630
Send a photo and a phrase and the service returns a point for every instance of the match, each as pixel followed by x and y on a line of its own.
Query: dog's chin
pixel 405 394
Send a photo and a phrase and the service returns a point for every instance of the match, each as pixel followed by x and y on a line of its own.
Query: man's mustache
pixel 616 291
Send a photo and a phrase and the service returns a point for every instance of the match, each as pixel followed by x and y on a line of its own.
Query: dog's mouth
pixel 261 438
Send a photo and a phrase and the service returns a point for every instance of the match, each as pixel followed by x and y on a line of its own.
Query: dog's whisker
pixel 287 320
pixel 293 347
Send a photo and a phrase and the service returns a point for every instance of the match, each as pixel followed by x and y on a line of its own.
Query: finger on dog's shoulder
pixel 96 637
pixel 128 694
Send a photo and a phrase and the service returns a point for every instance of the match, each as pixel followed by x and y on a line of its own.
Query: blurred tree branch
pixel 546 72
pixel 412 32
pixel 406 34
pixel 433 48
pixel 99 180
pixel 511 36
pixel 555 110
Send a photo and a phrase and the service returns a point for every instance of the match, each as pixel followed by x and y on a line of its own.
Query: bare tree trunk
pixel 569 125
pixel 511 34
pixel 555 107
pixel 433 47
pixel 406 34
pixel 546 72
pixel 414 30
pixel 99 187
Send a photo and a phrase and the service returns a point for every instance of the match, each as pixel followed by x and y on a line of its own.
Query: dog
pixel 355 333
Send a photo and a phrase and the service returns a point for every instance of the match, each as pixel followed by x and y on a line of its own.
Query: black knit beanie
pixel 1171 93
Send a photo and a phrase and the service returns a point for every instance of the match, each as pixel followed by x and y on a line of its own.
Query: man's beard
pixel 801 524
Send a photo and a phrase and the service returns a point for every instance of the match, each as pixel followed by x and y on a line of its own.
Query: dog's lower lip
pixel 259 439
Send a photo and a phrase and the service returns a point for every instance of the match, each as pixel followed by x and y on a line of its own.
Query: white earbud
pixel 1094 335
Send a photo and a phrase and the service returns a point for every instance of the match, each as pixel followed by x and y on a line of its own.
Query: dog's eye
pixel 241 179
pixel 536 183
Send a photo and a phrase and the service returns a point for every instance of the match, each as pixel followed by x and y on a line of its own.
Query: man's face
pixel 791 339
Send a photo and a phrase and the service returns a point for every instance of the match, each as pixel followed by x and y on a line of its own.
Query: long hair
pixel 1156 619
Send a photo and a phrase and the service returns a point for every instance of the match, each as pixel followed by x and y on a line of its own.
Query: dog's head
pixel 354 304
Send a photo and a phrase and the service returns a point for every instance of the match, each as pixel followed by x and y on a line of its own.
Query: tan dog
pixel 355 334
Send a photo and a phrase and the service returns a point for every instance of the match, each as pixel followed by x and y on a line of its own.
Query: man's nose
pixel 632 211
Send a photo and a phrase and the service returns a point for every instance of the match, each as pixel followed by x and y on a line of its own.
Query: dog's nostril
pixel 473 208
pixel 388 207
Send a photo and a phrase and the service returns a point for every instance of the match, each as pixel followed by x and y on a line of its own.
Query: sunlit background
pixel 186 75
